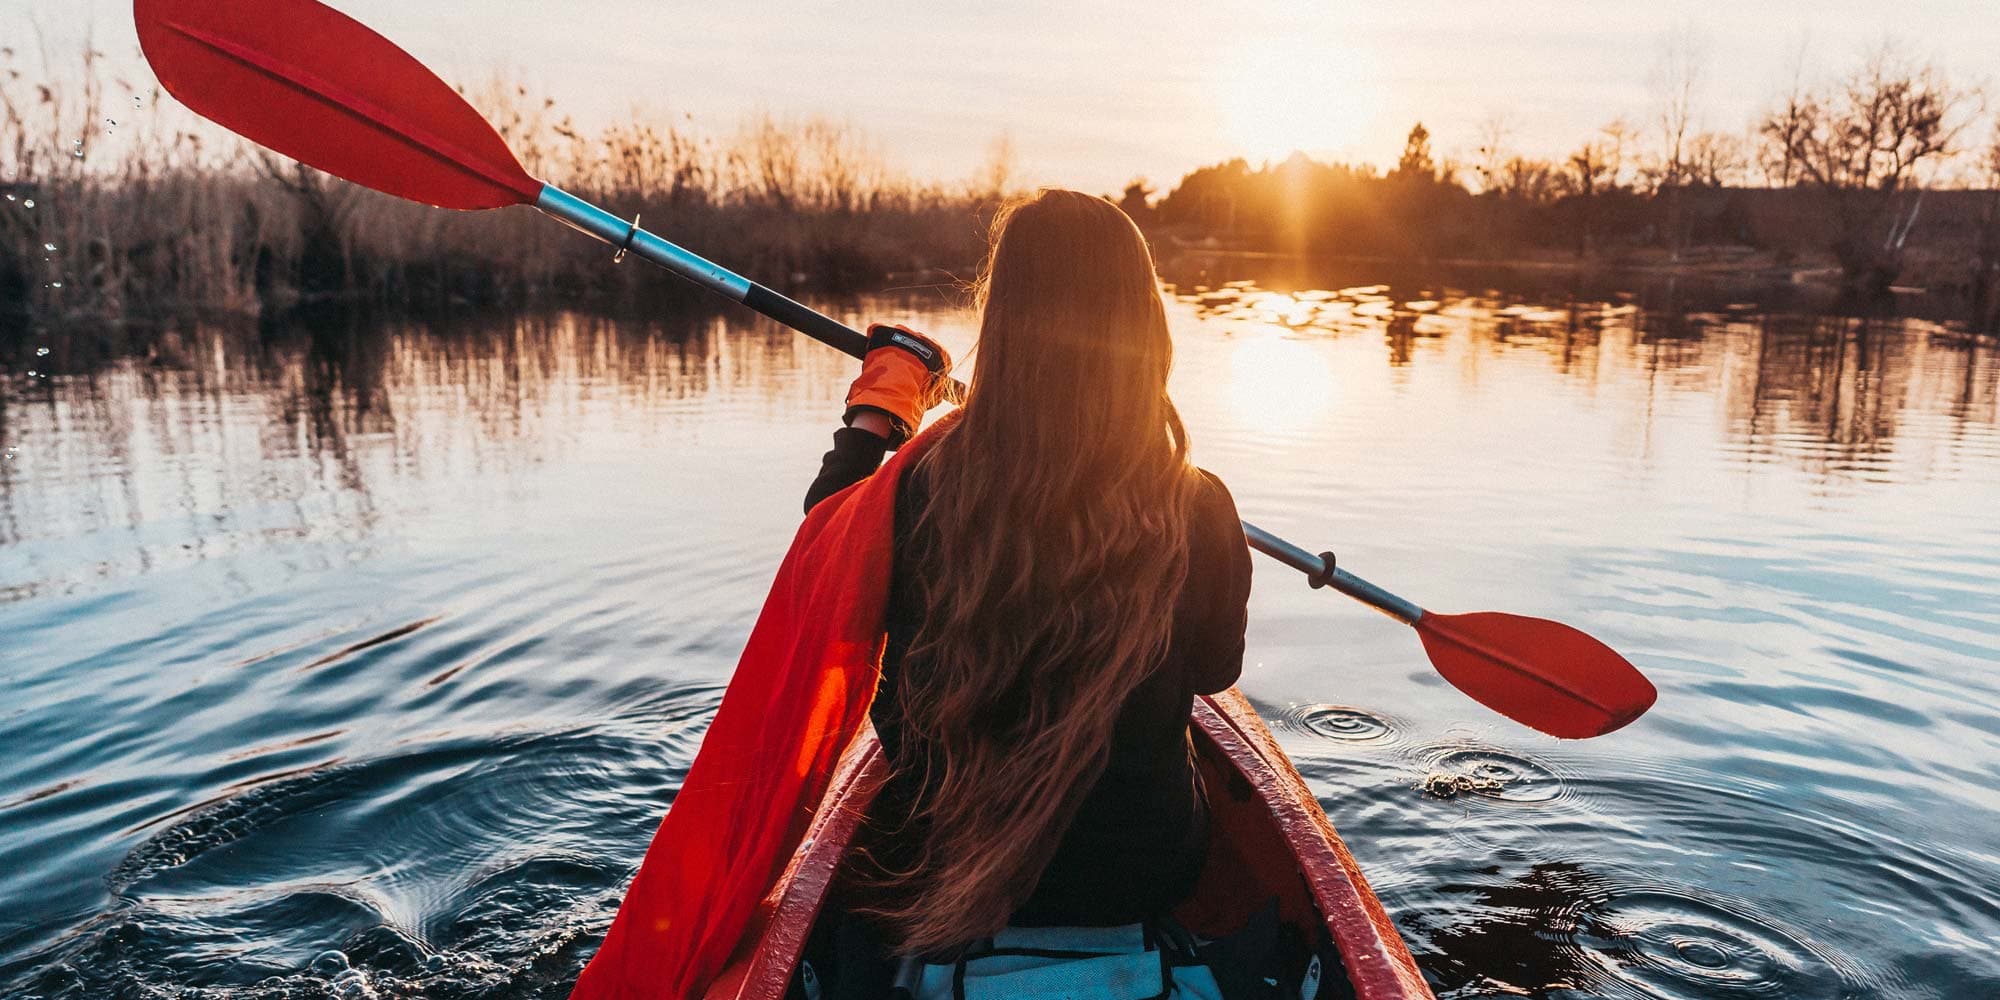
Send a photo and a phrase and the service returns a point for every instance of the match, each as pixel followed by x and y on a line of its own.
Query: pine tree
pixel 1416 163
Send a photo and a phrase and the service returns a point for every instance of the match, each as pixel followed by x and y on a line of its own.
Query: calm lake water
pixel 359 658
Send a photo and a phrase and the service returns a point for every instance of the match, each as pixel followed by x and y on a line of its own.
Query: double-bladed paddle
pixel 314 84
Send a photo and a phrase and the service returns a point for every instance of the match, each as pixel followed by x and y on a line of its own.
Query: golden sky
pixel 1091 95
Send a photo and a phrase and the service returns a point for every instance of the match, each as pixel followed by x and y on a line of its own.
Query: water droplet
pixel 50 247
pixel 328 964
pixel 135 102
pixel 111 122
pixel 41 352
pixel 32 373
pixel 55 284
pixel 10 197
pixel 30 203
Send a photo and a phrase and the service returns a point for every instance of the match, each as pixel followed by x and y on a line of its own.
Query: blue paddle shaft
pixel 1314 565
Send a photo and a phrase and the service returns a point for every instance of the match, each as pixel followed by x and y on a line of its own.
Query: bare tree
pixel 1529 180
pixel 1586 173
pixel 1618 140
pixel 1715 159
pixel 1861 142
pixel 1877 129
pixel 1677 80
pixel 1495 131
pixel 1602 165
pixel 1784 126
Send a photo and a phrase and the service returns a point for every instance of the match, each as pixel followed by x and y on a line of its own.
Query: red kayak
pixel 1270 839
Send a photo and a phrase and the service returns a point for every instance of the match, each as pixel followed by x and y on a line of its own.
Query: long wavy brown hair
pixel 1056 547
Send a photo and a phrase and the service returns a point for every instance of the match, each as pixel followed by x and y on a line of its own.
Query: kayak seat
pixel 845 960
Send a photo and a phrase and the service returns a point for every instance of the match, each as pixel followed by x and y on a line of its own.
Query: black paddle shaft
pixel 817 325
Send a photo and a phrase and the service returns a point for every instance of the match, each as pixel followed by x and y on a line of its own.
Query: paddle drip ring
pixel 1323 578
pixel 626 247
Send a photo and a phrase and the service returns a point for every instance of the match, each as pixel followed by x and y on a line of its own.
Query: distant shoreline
pixel 1736 265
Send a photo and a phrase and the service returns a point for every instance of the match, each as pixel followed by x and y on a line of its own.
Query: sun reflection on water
pixel 1279 383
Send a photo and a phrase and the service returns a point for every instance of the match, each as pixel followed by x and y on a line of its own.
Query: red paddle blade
pixel 1542 674
pixel 324 89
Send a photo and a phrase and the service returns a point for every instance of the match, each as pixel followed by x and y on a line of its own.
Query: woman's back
pixel 1064 581
pixel 1137 840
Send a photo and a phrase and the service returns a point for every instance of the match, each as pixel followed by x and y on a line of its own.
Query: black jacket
pixel 1139 838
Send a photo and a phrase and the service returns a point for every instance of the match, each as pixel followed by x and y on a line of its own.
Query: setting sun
pixel 1306 91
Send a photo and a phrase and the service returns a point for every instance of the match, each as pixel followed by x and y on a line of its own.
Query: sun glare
pixel 1301 92
pixel 1277 383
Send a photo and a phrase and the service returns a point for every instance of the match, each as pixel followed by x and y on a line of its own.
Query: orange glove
pixel 902 377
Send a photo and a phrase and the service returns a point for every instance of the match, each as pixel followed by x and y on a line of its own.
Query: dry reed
pixel 167 220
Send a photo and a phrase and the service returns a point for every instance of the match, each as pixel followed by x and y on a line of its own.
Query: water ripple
pixel 1490 772
pixel 1337 722
pixel 363 661
pixel 1668 943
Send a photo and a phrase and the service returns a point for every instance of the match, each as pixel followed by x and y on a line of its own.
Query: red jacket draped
pixel 799 695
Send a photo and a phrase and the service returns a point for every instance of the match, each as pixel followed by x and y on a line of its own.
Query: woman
pixel 1065 582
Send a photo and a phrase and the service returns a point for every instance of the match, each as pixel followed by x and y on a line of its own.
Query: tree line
pixel 1888 168
pixel 1888 173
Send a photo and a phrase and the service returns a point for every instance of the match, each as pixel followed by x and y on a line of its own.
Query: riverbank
pixel 248 245
pixel 160 218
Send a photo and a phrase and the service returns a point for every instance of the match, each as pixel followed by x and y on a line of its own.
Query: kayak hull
pixel 1270 838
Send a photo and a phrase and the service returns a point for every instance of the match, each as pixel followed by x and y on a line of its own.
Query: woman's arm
pixel 1219 584
pixel 874 422
pixel 902 376
pixel 857 453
